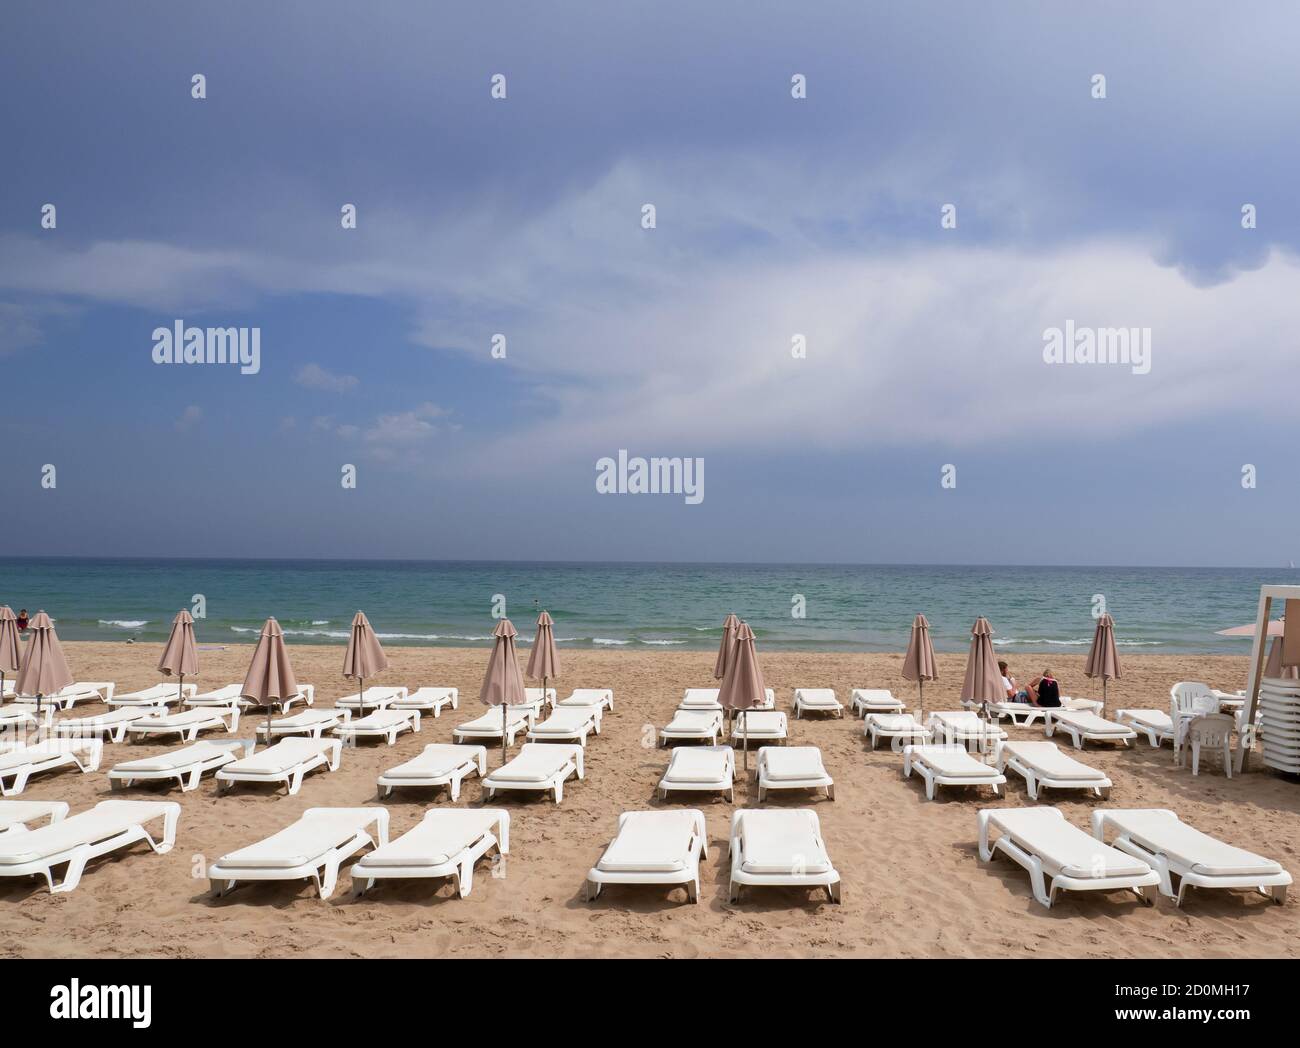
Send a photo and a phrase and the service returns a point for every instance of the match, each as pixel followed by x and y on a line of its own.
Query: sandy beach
pixel 912 882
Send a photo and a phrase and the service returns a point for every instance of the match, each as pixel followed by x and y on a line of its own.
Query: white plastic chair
pixel 1189 699
pixel 1213 731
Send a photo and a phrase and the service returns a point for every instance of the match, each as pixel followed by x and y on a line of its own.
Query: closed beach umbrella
pixel 983 680
pixel 918 663
pixel 180 654
pixel 1275 628
pixel 729 626
pixel 10 647
pixel 1103 659
pixel 503 684
pixel 270 678
pixel 365 656
pixel 544 660
pixel 44 670
pixel 743 686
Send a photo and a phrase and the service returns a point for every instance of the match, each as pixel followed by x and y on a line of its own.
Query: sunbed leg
pixel 1145 895
pixel 830 792
pixel 1182 893
pixel 72 876
pixel 762 795
pixel 465 880
pixel 833 891
pixel 559 792
pixel 735 893
pixel 929 787
pixel 1279 894
pixel 325 886
pixel 693 890
pixel 195 774
pixel 1039 883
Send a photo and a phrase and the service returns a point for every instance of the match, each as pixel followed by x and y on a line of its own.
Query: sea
pixel 791 607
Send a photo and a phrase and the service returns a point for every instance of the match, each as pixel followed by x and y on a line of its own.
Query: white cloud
pixel 313 376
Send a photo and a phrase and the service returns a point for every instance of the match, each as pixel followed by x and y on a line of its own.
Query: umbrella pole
pixel 920 699
pixel 503 733
pixel 744 736
pixel 180 690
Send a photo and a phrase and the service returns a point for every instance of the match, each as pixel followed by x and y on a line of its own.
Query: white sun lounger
pixel 602 697
pixel 382 724
pixel 707 699
pixel 161 694
pixel 445 843
pixel 953 726
pixel 1059 856
pixel 311 723
pixel 188 723
pixel 81 691
pixel 538 766
pixel 776 847
pixel 230 694
pixel 306 694
pixel 373 698
pixel 76 840
pixel 20 763
pixel 705 725
pixel 653 847
pixel 287 762
pixel 795 768
pixel 877 726
pixel 758 726
pixel 112 723
pixel 312 848
pixel 488 726
pixel 1043 764
pixel 1021 714
pixel 711 769
pixel 20 717
pixel 1083 726
pixel 1156 725
pixel 439 764
pixel 1172 847
pixel 949 765
pixel 567 724
pixel 539 697
pixel 185 765
pixel 874 700
pixel 816 700
pixel 16 816
pixel 428 700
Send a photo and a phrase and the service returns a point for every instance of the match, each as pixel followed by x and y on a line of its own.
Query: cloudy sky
pixel 775 216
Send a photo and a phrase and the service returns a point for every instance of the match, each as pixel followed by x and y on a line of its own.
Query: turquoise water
pixel 645 606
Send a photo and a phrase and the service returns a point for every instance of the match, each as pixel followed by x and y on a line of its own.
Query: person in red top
pixel 22 620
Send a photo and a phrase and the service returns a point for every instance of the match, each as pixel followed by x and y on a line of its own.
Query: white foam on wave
pixel 124 624
pixel 1000 641
pixel 609 640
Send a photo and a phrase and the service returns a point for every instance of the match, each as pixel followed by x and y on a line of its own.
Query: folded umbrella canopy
pixel 503 684
pixel 725 649
pixel 544 660
pixel 983 680
pixel 44 670
pixel 918 663
pixel 10 646
pixel 1103 659
pixel 180 653
pixel 270 680
pixel 742 687
pixel 365 655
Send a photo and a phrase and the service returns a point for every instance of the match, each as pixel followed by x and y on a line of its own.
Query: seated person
pixel 1014 693
pixel 1045 690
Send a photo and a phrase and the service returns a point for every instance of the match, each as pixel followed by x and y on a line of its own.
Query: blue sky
pixel 775 216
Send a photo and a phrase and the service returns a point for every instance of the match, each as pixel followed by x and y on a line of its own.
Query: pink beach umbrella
pixel 983 680
pixel 919 664
pixel 544 660
pixel 1103 658
pixel 45 669
pixel 270 680
pixel 742 687
pixel 180 654
pixel 503 684
pixel 364 656
pixel 10 646
pixel 729 626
